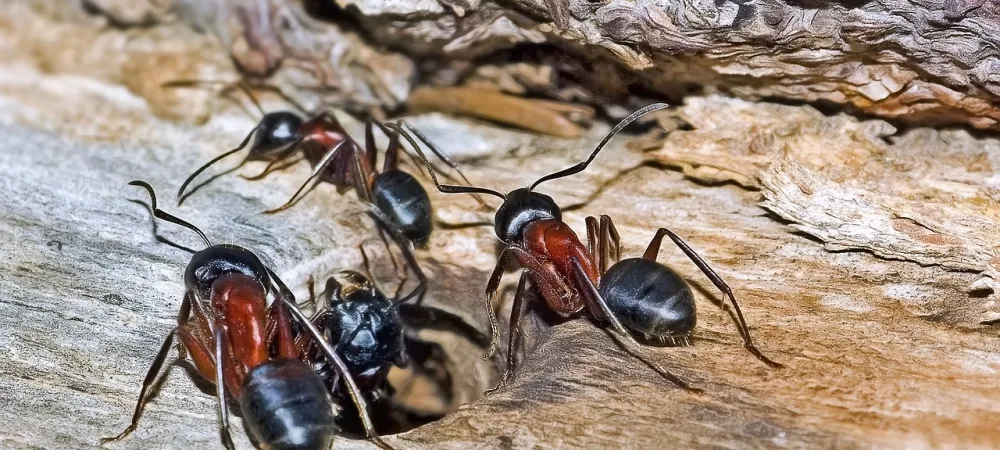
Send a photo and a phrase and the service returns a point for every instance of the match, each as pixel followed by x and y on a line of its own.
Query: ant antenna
pixel 190 178
pixel 583 165
pixel 245 86
pixel 446 188
pixel 162 215
pixel 437 152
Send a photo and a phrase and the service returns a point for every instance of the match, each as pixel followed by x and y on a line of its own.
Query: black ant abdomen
pixel 650 299
pixel 285 405
pixel 405 203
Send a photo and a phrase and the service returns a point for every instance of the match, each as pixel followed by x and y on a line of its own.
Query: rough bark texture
pixel 917 61
pixel 892 346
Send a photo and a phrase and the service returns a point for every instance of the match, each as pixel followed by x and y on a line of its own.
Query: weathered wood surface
pixel 880 353
pixel 915 61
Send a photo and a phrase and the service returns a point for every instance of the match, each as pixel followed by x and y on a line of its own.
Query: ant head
pixel 217 260
pixel 363 324
pixel 521 207
pixel 275 132
pixel 214 261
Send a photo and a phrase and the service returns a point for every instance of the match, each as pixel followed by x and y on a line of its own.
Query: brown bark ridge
pixel 930 62
pixel 913 61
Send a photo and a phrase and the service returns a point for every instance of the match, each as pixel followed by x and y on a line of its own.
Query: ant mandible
pixel 373 332
pixel 248 350
pixel 640 295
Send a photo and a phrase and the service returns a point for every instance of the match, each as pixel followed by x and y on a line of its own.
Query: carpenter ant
pixel 373 332
pixel 637 295
pixel 401 205
pixel 279 134
pixel 249 350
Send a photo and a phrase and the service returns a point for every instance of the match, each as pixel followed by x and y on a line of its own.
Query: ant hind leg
pixel 651 253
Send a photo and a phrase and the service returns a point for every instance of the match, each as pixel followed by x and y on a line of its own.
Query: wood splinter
pixel 542 116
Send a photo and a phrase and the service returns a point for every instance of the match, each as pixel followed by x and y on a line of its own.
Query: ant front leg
pixel 220 388
pixel 429 317
pixel 277 317
pixel 320 167
pixel 653 250
pixel 151 375
pixel 277 164
pixel 514 331
pixel 153 371
pixel 491 292
pixel 596 304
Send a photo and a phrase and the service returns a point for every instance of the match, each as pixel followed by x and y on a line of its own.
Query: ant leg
pixel 226 87
pixel 311 286
pixel 491 292
pixel 151 375
pixel 220 392
pixel 514 330
pixel 434 149
pixel 612 234
pixel 366 261
pixel 592 237
pixel 429 317
pixel 190 178
pixel 278 313
pixel 617 331
pixel 327 158
pixel 399 287
pixel 603 246
pixel 653 250
pixel 273 166
pixel 371 277
pixel 392 257
pixel 391 152
pixel 285 295
pixel 404 247
pixel 445 188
